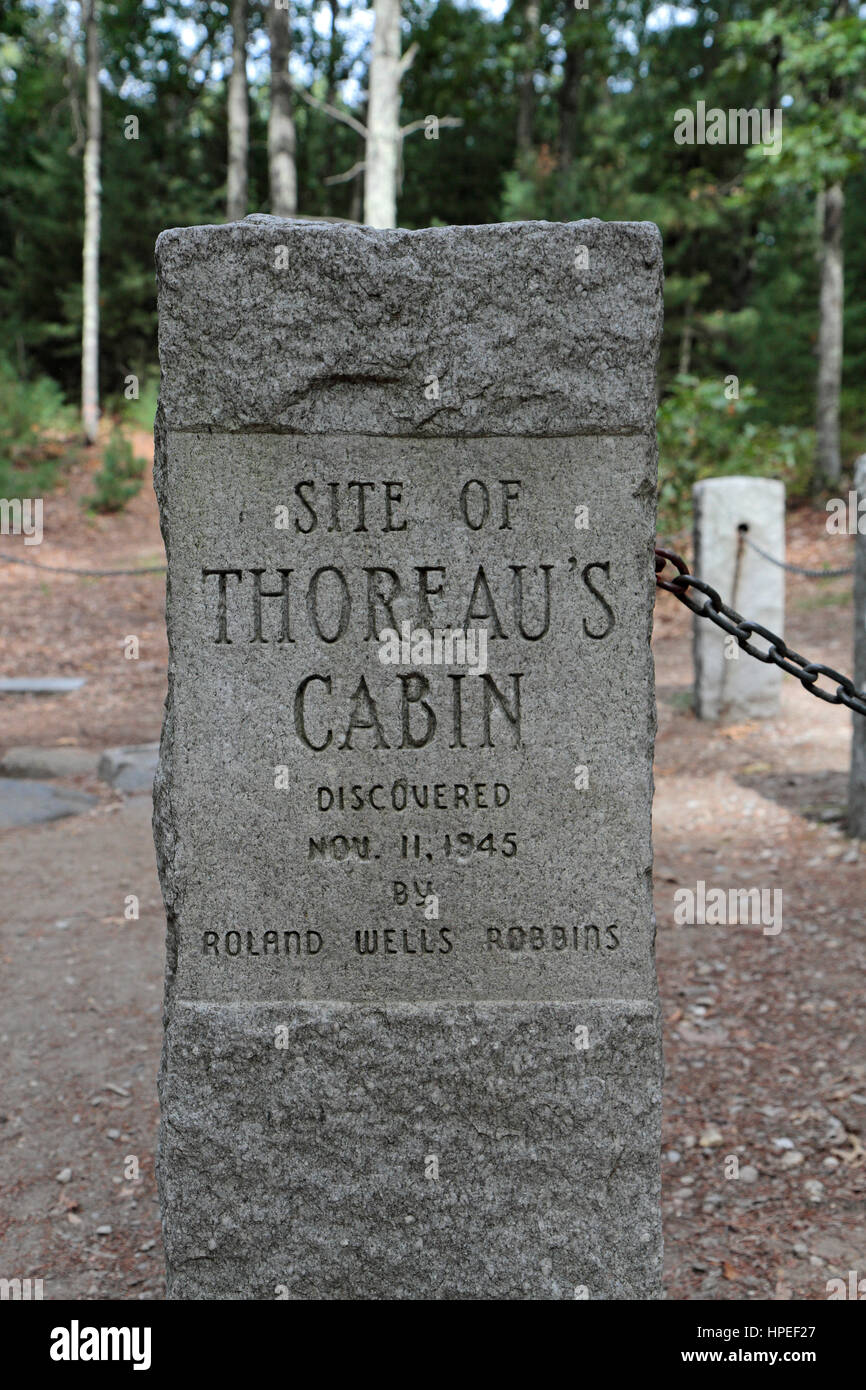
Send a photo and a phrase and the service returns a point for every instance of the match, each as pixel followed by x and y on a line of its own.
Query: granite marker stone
pixel 729 513
pixel 402 813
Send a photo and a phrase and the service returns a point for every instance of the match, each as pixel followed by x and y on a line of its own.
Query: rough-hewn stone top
pixel 550 340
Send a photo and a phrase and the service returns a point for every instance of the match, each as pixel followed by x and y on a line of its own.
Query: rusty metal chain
pixel 777 652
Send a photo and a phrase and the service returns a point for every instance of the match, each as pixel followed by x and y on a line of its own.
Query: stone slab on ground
pixel 48 762
pixel 40 685
pixel 130 769
pixel 24 802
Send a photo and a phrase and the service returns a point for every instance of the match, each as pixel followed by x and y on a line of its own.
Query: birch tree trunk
pixel 828 459
pixel 282 174
pixel 238 117
pixel 382 155
pixel 90 253
pixel 330 94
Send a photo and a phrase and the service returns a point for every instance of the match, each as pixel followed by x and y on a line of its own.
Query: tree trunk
pixel 526 81
pixel 776 53
pixel 383 119
pixel 686 340
pixel 238 117
pixel 356 201
pixel 333 54
pixel 328 168
pixel 569 102
pixel 282 174
pixel 90 254
pixel 828 459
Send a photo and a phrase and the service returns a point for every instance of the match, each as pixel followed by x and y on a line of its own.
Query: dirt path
pixel 61 625
pixel 82 992
pixel 763 1041
pixel 764 1048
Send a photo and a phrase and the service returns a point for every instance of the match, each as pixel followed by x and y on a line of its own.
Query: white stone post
pixel 731 515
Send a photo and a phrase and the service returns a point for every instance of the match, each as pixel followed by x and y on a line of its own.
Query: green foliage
pixel 34 425
pixel 704 435
pixel 819 53
pixel 739 226
pixel 139 414
pixel 119 477
pixel 462 70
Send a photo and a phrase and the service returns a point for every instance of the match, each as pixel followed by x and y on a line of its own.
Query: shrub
pixel 34 425
pixel 136 414
pixel 704 435
pixel 119 478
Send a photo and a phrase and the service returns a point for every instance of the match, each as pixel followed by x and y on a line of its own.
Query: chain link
pixel 711 605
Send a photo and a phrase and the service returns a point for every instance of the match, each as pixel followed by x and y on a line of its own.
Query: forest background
pixel 118 119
